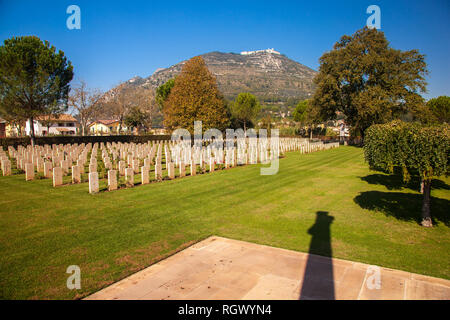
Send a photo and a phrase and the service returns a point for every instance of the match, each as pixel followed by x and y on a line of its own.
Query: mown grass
pixel 110 235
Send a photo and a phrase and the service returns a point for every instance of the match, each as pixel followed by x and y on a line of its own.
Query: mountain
pixel 267 74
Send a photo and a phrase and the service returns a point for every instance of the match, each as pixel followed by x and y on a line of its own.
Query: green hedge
pixel 409 146
pixel 5 142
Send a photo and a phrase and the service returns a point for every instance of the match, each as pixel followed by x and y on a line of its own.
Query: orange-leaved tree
pixel 195 97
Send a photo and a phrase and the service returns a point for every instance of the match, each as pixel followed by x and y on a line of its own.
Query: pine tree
pixel 34 79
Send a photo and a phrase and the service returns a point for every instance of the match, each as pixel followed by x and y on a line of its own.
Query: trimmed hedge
pixel 413 148
pixel 5 142
pixel 410 146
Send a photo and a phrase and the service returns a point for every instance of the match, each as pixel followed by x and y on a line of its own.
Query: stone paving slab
pixel 220 268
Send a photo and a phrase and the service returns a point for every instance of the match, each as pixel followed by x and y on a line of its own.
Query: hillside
pixel 270 76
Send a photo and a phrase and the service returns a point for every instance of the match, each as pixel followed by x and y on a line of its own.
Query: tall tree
pixel 195 97
pixel 245 108
pixel 307 114
pixel 34 79
pixel 118 104
pixel 136 119
pixel 440 108
pixel 368 81
pixel 86 102
pixel 123 99
pixel 300 113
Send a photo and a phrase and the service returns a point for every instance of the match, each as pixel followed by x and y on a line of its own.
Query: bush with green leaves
pixel 413 148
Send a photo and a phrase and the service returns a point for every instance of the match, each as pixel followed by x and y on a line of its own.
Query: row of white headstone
pixel 125 159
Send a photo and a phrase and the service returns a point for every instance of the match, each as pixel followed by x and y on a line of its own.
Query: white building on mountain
pixel 270 50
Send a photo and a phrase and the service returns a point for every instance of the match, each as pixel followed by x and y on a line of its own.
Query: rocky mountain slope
pixel 268 75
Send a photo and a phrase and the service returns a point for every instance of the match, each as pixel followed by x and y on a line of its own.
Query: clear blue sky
pixel 121 39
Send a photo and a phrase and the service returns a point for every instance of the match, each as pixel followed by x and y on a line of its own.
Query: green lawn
pixel 110 235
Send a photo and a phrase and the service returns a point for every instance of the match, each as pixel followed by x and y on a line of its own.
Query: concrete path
pixel 220 268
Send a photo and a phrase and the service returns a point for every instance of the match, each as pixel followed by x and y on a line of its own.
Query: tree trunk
pixel 426 216
pixel 33 141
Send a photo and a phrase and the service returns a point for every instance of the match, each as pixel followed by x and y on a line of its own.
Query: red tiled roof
pixel 62 117
pixel 64 130
pixel 107 122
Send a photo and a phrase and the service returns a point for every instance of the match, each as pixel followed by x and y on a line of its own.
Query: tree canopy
pixel 85 102
pixel 195 97
pixel 163 91
pixel 245 108
pixel 301 112
pixel 368 81
pixel 34 79
pixel 412 147
pixel 136 118
pixel 440 108
pixel 306 113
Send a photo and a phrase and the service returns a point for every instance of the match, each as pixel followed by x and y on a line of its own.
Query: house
pixel 2 128
pixel 158 130
pixel 101 127
pixel 16 129
pixel 63 124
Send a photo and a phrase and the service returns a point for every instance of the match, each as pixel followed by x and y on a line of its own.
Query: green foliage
pixel 136 118
pixel 440 107
pixel 368 81
pixel 411 146
pixel 301 112
pixel 245 108
pixel 34 79
pixel 163 91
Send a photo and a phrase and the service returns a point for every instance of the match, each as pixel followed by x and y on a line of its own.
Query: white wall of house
pixel 40 130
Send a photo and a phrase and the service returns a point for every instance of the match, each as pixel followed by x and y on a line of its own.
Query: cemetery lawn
pixel 111 235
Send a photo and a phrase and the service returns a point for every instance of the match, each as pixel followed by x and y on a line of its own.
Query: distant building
pixel 63 124
pixel 14 129
pixel 2 128
pixel 101 127
pixel 158 130
pixel 271 50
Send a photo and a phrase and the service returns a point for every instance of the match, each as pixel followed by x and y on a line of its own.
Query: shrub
pixel 413 148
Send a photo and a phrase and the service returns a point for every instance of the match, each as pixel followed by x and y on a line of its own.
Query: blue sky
pixel 121 39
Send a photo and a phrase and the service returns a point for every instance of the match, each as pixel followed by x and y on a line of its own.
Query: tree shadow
pixel 395 182
pixel 318 279
pixel 404 206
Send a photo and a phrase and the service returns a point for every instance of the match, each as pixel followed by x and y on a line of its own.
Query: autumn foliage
pixel 195 97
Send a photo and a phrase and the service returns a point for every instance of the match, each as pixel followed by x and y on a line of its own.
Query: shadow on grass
pixel 404 206
pixel 318 279
pixel 395 182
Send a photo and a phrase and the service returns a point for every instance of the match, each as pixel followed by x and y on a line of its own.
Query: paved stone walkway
pixel 220 268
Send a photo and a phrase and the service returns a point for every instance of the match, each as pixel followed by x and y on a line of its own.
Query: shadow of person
pixel 318 280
